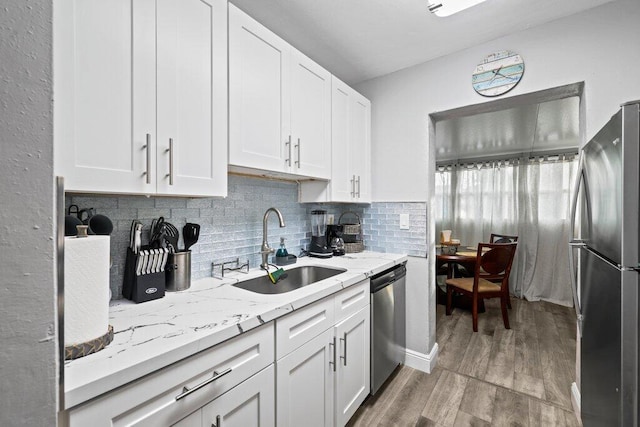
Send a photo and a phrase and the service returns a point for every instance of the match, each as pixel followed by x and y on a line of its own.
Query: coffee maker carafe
pixel 334 237
pixel 319 246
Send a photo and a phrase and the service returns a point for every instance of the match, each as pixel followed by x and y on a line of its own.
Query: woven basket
pixel 352 233
pixel 352 248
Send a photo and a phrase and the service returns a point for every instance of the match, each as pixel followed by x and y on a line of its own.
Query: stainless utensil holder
pixel 178 272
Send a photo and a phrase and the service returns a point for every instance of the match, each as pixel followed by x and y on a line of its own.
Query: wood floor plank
pixel 543 414
pixel 527 351
pixel 476 357
pixel 445 399
pixel 408 404
pixel 558 374
pixel 501 367
pixel 374 407
pixel 529 385
pixel 425 422
pixel 510 409
pixel 463 419
pixel 453 351
pixel 478 400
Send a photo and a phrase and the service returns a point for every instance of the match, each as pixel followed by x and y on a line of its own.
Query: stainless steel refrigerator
pixel 605 251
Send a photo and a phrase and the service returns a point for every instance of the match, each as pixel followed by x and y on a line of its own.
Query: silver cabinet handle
pixel 218 422
pixel 288 145
pixel 344 358
pixel 216 376
pixel 358 186
pixel 147 146
pixel 298 148
pixel 333 362
pixel 353 186
pixel 170 151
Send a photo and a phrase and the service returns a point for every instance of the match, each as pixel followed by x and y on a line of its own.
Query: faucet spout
pixel 266 250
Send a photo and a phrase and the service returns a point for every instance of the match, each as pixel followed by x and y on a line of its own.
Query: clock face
pixel 498 73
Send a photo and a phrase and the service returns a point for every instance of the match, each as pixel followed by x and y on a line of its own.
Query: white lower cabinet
pixel 353 364
pixel 169 395
pixel 323 381
pixel 250 403
pixel 304 383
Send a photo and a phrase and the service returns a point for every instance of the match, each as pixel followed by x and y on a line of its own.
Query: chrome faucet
pixel 266 250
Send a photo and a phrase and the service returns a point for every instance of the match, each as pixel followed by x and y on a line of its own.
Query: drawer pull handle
pixel 147 146
pixel 218 422
pixel 288 145
pixel 170 151
pixel 344 358
pixel 333 344
pixel 186 391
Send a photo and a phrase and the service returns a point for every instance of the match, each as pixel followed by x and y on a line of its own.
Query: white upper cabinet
pixel 129 77
pixel 279 104
pixel 258 94
pixel 350 150
pixel 310 117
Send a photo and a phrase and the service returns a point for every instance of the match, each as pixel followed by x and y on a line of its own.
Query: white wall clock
pixel 498 73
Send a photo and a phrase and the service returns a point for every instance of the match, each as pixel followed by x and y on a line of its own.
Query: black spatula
pixel 190 234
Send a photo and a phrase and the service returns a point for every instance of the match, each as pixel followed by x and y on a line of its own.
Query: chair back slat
pixel 496 260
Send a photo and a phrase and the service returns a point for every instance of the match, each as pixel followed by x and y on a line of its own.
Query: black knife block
pixel 142 288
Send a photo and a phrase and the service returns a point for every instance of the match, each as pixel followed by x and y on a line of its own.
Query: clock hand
pixel 495 73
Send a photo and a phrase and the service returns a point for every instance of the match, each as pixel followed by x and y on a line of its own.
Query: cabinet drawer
pixel 153 400
pixel 302 325
pixel 351 300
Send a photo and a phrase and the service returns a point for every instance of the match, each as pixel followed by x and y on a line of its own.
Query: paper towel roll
pixel 86 288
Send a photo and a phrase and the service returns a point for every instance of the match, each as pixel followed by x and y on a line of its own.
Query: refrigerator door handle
pixel 574 287
pixel 574 198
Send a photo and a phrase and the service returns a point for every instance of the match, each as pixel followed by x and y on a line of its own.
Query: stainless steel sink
pixel 297 278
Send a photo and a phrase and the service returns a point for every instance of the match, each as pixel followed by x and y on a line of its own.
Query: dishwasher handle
pixel 387 277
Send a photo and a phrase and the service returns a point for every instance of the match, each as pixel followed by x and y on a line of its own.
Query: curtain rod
pixel 512 156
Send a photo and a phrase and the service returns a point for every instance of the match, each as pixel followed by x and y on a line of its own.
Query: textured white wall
pixel 28 348
pixel 598 46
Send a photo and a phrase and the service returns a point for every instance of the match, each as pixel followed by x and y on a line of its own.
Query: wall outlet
pixel 330 219
pixel 404 221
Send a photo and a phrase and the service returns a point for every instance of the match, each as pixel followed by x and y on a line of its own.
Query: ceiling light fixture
pixel 449 7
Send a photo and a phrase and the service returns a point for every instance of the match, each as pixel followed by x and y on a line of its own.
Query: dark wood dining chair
pixel 490 280
pixel 502 238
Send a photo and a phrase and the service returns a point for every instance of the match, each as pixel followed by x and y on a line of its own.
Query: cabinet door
pixel 310 117
pixel 304 384
pixel 342 178
pixel 353 370
pixel 259 115
pixel 251 403
pixel 360 146
pixel 104 66
pixel 192 97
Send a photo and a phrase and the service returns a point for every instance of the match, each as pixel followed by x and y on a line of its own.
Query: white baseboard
pixel 420 361
pixel 575 401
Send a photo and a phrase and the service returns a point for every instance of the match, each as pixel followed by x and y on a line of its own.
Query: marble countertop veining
pixel 154 334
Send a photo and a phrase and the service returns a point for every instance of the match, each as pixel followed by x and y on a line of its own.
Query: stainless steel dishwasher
pixel 388 336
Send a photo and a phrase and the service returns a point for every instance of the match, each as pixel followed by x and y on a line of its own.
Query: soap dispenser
pixel 282 250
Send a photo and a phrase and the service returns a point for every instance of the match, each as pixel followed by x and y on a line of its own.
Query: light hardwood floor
pixel 494 377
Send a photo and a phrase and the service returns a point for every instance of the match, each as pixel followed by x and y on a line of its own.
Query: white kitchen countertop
pixel 154 334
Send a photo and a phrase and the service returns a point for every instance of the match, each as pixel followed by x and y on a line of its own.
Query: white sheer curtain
pixel 528 198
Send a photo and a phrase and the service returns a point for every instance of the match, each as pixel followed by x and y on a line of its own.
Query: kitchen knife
pixel 145 260
pixel 137 237
pixel 156 260
pixel 132 234
pixel 139 264
pixel 165 255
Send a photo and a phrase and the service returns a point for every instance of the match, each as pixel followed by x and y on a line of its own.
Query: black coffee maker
pixel 334 237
